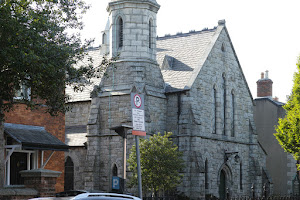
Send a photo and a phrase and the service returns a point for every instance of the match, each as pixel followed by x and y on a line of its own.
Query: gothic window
pixel 115 170
pixel 224 102
pixel 251 131
pixel 150 33
pixel 206 174
pixel 120 32
pixel 103 38
pixel 232 114
pixel 69 174
pixel 241 176
pixel 223 47
pixel 214 110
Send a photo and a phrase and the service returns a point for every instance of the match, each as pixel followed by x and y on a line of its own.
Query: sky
pixel 265 33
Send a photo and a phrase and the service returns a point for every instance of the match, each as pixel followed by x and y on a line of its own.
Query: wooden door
pixel 18 162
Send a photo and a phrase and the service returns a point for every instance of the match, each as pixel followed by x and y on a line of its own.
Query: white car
pixel 104 196
pixel 52 198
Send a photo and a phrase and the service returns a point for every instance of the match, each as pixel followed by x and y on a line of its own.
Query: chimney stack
pixel 264 85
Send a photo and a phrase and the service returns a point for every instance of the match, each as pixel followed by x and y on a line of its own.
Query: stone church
pixel 193 86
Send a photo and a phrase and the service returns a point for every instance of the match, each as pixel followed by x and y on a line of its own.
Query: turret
pixel 133 29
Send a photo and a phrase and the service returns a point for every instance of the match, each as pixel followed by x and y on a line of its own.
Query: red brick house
pixel 33 139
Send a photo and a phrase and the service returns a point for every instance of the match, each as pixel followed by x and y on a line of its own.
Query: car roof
pixel 105 196
pixel 52 198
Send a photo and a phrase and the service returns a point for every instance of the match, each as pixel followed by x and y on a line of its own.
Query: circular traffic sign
pixel 137 100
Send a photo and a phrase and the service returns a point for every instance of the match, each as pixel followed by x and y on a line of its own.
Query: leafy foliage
pixel 160 163
pixel 288 129
pixel 36 51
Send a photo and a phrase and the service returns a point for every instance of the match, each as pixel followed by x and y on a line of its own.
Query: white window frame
pixel 10 149
pixel 23 88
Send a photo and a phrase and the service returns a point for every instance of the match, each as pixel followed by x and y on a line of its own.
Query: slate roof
pixel 85 95
pixel 277 103
pixel 34 137
pixel 186 50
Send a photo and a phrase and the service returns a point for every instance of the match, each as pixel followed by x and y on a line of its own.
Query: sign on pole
pixel 115 183
pixel 138 114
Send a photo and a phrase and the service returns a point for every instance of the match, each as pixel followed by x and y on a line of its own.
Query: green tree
pixel 288 129
pixel 37 52
pixel 160 164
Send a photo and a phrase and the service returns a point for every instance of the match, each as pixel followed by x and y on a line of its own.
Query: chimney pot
pixel 276 98
pixel 262 75
pixel 264 86
pixel 267 74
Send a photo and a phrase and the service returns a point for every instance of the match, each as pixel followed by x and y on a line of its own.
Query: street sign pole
pixel 138 123
pixel 122 131
pixel 138 166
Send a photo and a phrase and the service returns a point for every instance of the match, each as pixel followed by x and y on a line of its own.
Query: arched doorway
pixel 225 177
pixel 69 174
pixel 222 185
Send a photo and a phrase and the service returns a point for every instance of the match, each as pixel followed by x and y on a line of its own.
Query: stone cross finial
pixel 221 22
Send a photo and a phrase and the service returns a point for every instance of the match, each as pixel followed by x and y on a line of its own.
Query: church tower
pixel 131 36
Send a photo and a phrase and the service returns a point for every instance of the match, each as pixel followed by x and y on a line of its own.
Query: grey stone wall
pixel 78 113
pixel 78 116
pixel 105 147
pixel 78 156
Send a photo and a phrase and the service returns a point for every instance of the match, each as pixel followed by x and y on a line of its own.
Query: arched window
pixel 214 110
pixel 206 174
pixel 120 32
pixel 115 170
pixel 241 176
pixel 69 174
pixel 103 38
pixel 150 33
pixel 223 47
pixel 224 103
pixel 232 113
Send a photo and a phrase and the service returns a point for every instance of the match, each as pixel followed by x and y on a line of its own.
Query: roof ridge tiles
pixel 180 34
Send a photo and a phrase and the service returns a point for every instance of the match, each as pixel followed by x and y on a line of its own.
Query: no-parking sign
pixel 138 114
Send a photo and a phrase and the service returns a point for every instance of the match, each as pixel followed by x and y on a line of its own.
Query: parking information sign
pixel 138 114
pixel 115 183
